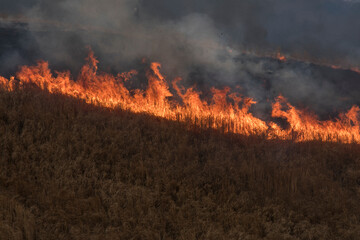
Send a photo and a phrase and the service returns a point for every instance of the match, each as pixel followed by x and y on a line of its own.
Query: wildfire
pixel 280 57
pixel 226 110
pixel 354 69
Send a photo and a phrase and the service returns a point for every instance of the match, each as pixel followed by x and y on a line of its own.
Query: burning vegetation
pixel 251 130
pixel 227 110
pixel 72 170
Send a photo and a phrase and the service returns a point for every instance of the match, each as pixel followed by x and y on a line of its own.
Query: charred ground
pixel 70 170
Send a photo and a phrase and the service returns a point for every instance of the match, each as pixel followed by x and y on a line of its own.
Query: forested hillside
pixel 69 170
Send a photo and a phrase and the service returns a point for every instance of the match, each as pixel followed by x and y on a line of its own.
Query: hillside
pixel 70 170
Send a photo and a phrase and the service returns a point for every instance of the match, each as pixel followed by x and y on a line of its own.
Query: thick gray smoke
pixel 119 35
pixel 318 29
pixel 202 42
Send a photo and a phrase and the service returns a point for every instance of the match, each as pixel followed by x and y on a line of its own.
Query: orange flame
pixel 280 57
pixel 306 127
pixel 226 110
pixel 355 69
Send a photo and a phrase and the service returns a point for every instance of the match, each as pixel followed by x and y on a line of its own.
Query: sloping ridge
pixel 70 170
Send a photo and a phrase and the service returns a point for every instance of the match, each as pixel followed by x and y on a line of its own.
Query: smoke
pixel 120 34
pixel 202 42
pixel 319 29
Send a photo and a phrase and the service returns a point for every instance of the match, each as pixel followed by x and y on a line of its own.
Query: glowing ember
pixel 226 111
pixel 355 69
pixel 280 57
pixel 335 67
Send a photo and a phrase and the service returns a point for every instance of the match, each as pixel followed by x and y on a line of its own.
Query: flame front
pixel 226 111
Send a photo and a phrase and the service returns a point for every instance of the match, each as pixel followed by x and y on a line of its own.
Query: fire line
pixel 230 116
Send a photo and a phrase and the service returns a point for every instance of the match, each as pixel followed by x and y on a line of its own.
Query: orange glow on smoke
pixel 280 57
pixel 227 110
pixel 335 67
pixel 355 69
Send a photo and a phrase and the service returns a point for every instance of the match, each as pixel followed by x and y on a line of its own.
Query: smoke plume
pixel 201 41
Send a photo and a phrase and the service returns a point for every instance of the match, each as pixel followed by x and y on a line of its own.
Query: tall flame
pixel 226 110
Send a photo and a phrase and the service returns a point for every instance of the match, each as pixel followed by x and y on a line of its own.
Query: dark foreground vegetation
pixel 75 171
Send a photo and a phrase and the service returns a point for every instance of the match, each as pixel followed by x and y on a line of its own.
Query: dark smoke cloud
pixel 16 7
pixel 319 29
pixel 202 41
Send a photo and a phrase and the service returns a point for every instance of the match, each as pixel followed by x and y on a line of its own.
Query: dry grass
pixel 74 171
